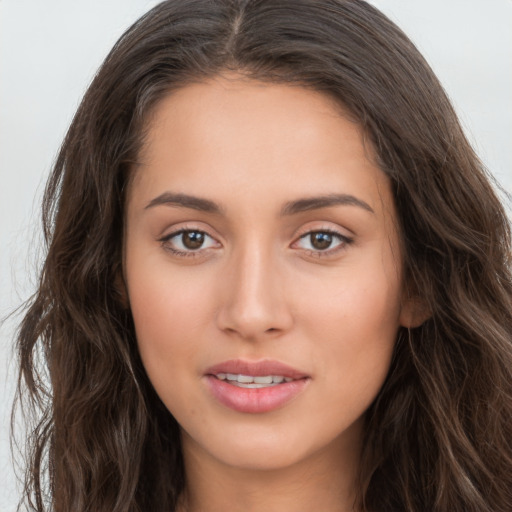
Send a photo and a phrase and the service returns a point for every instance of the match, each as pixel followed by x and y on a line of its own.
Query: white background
pixel 50 49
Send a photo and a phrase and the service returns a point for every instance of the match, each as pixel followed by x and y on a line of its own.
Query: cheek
pixel 354 321
pixel 169 316
pixel 170 312
pixel 361 302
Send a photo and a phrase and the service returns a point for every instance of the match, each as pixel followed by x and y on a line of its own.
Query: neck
pixel 324 481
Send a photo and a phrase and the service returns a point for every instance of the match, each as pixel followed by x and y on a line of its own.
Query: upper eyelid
pixel 183 230
pixel 170 232
pixel 323 230
pixel 342 232
pixel 341 236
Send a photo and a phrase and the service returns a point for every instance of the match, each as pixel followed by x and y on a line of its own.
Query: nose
pixel 254 303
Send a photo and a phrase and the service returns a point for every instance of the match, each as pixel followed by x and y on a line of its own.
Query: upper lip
pixel 256 368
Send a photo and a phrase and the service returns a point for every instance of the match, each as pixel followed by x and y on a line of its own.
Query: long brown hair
pixel 439 435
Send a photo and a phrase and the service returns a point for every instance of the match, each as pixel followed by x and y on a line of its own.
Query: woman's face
pixel 263 271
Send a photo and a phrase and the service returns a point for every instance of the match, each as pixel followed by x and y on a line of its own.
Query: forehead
pixel 256 138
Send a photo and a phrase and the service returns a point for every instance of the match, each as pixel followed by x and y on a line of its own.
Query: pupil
pixel 321 240
pixel 193 239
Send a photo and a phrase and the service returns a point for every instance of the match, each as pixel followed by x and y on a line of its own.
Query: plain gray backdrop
pixel 49 51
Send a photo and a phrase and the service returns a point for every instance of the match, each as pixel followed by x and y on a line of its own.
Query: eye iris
pixel 193 239
pixel 321 240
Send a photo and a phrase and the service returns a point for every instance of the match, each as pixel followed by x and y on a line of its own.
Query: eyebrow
pixel 185 201
pixel 290 208
pixel 315 203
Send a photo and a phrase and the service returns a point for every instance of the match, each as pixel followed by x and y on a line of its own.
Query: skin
pixel 259 288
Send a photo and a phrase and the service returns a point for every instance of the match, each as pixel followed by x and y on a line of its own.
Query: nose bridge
pixel 254 296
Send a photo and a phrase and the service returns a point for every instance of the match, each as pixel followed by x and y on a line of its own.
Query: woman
pixel 277 277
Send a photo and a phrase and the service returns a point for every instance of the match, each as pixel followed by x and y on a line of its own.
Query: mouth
pixel 252 382
pixel 255 386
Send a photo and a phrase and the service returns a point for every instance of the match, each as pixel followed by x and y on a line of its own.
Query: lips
pixel 255 386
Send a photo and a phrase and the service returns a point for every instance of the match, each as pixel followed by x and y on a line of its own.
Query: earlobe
pixel 414 312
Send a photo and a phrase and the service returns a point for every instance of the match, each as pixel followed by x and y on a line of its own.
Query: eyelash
pixel 183 254
pixel 344 241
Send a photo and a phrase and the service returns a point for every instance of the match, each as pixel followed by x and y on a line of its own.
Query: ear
pixel 414 312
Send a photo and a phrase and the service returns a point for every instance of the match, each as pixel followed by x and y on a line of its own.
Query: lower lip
pixel 255 400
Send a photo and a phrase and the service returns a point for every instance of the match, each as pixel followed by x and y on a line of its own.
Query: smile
pixel 252 382
pixel 255 386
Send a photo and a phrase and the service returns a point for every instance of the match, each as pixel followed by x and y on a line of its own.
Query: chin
pixel 266 449
pixel 262 457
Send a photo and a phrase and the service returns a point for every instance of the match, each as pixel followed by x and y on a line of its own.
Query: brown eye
pixel 188 242
pixel 321 240
pixel 323 243
pixel 193 239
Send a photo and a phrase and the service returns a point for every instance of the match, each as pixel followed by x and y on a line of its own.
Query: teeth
pixel 251 385
pixel 249 381
pixel 267 379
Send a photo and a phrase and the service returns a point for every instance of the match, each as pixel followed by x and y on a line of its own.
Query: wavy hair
pixel 438 437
